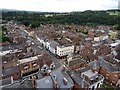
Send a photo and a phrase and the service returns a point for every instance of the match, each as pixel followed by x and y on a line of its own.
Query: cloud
pixel 59 5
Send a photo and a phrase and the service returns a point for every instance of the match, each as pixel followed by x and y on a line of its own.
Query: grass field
pixel 114 13
pixel 107 86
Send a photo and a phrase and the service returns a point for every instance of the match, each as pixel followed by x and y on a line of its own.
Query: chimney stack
pixel 93 70
pixel 55 85
pixel 65 81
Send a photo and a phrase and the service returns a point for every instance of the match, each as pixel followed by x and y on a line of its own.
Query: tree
pixel 117 26
pixel 26 23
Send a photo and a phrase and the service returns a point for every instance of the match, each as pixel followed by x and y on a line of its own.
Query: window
pixel 2 67
pixel 118 85
pixel 33 62
pixel 52 65
pixel 34 67
pixel 51 68
pixel 96 78
pixel 92 81
pixel 30 77
pixel 93 87
pixel 98 85
pixel 36 77
pixel 26 70
pixel 45 68
pixel 25 65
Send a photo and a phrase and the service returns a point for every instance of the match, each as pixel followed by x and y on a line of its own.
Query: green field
pixel 113 13
pixel 107 86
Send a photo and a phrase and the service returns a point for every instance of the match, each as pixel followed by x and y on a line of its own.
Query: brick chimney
pixel 55 85
pixel 93 70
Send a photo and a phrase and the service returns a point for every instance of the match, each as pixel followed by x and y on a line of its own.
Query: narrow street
pixel 38 44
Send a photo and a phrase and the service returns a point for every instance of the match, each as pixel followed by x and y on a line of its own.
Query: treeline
pixel 34 19
pixel 3 38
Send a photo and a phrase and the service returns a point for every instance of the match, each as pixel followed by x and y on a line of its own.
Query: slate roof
pixel 26 84
pixel 74 62
pixel 10 70
pixel 45 83
pixel 5 81
pixel 59 78
pixel 53 44
pixel 28 54
pixel 36 50
pixel 14 46
pixel 79 80
pixel 20 85
pixel 94 64
pixel 108 66
pixel 83 69
pixel 8 57
pixel 57 75
pixel 11 35
pixel 90 74
pixel 105 64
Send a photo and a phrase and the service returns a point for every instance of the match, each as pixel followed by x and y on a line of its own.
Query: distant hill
pixel 34 19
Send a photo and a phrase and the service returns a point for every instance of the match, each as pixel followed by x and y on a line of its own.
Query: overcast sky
pixel 59 5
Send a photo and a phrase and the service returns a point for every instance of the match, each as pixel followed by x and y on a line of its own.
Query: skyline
pixel 59 5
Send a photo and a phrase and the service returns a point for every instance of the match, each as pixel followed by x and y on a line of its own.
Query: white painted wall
pixel 96 38
pixel 100 82
pixel 62 51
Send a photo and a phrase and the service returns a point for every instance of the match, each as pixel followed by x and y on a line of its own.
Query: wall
pixel 62 51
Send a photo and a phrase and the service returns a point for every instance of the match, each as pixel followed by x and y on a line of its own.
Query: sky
pixel 59 5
